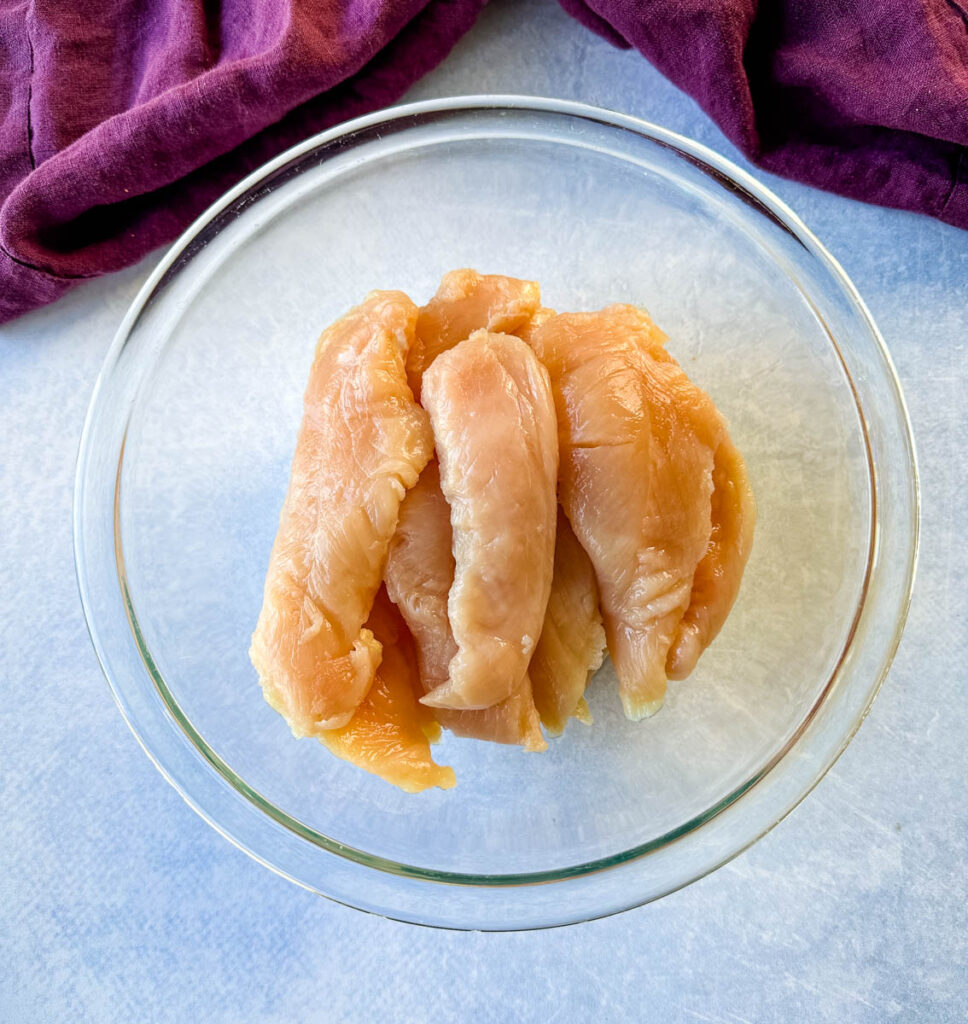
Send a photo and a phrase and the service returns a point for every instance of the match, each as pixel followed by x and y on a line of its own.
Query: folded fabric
pixel 868 98
pixel 121 120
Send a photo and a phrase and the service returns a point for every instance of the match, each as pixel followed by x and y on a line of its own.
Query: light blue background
pixel 118 904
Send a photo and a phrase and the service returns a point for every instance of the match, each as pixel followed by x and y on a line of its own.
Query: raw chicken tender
pixel 419 575
pixel 467 301
pixel 636 444
pixel 572 642
pixel 391 732
pixel 493 419
pixel 719 574
pixel 362 443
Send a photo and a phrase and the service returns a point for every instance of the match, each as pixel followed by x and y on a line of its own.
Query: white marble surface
pixel 118 904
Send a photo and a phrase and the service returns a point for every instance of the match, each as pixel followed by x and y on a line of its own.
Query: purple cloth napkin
pixel 868 98
pixel 121 120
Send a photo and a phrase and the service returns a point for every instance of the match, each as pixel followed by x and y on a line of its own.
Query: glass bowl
pixel 184 462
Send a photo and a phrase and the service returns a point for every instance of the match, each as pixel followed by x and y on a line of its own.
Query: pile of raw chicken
pixel 485 494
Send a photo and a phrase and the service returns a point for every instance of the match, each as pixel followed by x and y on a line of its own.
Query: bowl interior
pixel 226 346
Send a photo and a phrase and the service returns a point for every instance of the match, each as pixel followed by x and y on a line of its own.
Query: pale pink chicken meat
pixel 362 443
pixel 719 574
pixel 467 301
pixel 572 642
pixel 419 575
pixel 636 454
pixel 390 732
pixel 733 519
pixel 493 420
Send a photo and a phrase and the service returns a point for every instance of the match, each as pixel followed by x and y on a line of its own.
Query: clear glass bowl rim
pixel 727 174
